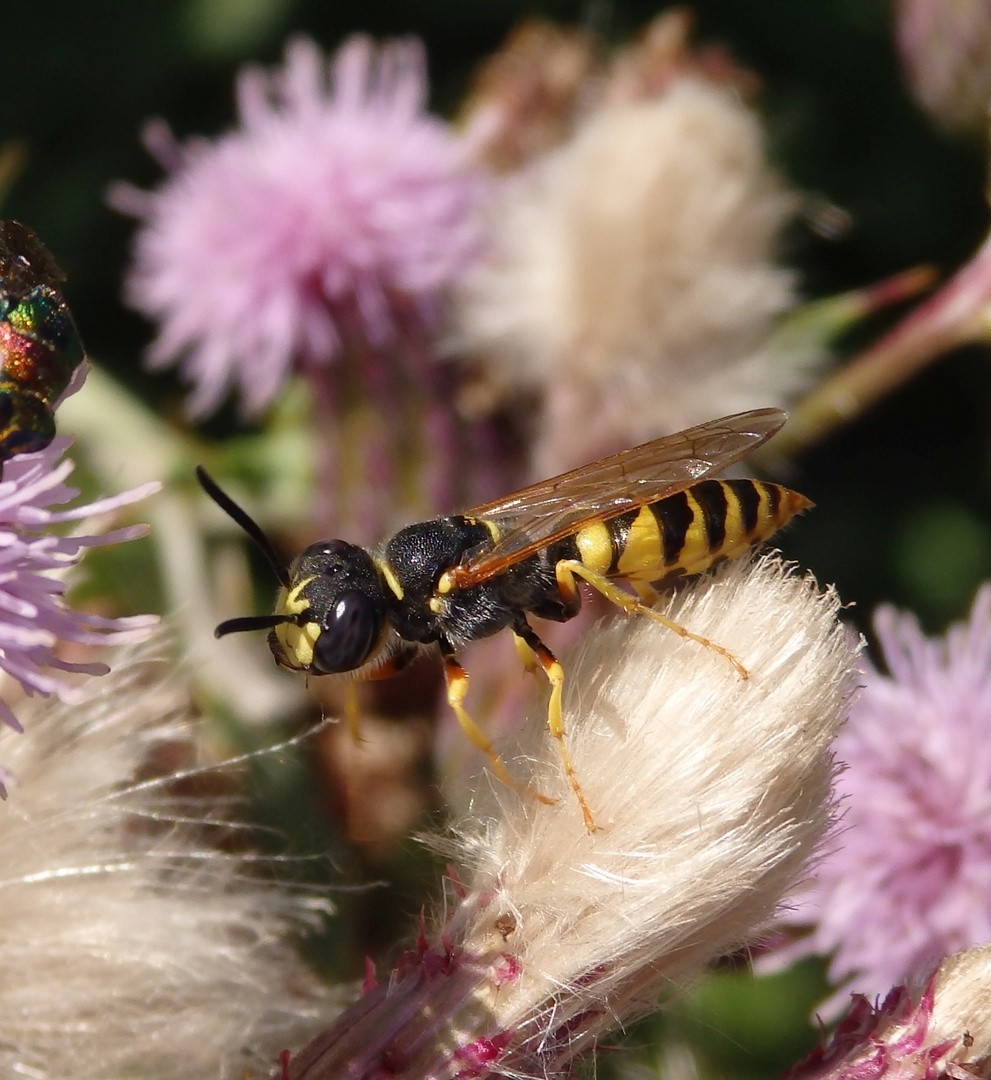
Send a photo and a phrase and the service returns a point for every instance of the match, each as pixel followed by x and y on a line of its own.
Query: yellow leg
pixel 647 593
pixel 352 711
pixel 352 717
pixel 568 569
pixel 555 713
pixel 525 653
pixel 457 688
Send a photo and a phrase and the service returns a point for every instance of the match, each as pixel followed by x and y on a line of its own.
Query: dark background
pixel 903 511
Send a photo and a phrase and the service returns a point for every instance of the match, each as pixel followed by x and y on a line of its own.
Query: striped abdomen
pixel 687 533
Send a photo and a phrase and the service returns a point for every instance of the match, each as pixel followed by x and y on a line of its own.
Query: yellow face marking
pixel 594 544
pixel 297 641
pixel 643 555
pixel 291 601
pixel 437 604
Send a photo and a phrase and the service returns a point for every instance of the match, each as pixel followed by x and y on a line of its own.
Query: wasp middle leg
pixel 555 713
pixel 457 688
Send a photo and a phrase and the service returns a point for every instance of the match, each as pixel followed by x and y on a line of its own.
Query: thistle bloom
pixel 712 792
pixel 909 876
pixel 131 945
pixel 34 617
pixel 337 214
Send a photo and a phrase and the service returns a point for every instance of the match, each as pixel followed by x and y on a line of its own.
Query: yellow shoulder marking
pixel 390 578
pixel 494 531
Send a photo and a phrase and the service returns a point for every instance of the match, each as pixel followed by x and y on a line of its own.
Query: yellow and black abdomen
pixel 687 533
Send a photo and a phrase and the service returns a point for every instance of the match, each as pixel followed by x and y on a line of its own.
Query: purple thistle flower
pixel 33 615
pixel 908 877
pixel 338 213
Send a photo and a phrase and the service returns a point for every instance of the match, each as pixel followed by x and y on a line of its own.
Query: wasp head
pixel 334 611
pixel 330 614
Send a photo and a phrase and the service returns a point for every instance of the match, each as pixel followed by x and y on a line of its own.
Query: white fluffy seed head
pixel 712 794
pixel 962 1003
pixel 711 791
pixel 632 275
pixel 131 944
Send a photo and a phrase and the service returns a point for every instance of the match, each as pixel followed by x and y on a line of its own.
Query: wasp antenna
pixel 250 526
pixel 250 622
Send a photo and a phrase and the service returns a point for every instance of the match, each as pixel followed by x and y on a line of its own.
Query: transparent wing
pixel 537 516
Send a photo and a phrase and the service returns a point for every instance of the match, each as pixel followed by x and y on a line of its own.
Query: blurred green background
pixel 903 509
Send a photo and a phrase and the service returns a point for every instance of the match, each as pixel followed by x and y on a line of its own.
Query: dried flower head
pixel 712 792
pixel 663 53
pixel 525 97
pixel 632 273
pixel 908 879
pixel 529 97
pixel 338 212
pixel 34 617
pixel 942 1031
pixel 131 944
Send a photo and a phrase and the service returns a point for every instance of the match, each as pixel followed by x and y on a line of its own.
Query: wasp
pixel 40 348
pixel 647 517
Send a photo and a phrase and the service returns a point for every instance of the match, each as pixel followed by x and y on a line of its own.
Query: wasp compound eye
pixel 351 631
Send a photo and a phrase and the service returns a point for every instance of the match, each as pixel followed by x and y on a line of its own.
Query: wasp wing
pixel 537 516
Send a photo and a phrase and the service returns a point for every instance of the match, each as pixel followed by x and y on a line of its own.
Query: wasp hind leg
pixel 555 713
pixel 568 569
pixel 457 687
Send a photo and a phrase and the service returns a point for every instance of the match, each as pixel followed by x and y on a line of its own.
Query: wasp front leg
pixel 396 663
pixel 457 688
pixel 555 712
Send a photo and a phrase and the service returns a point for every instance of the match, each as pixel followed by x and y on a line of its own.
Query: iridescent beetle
pixel 39 344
